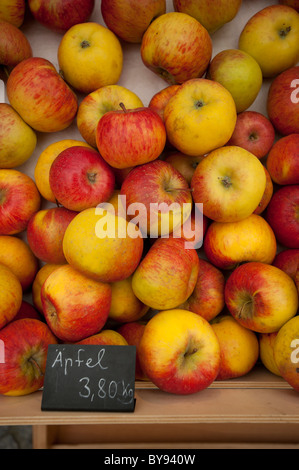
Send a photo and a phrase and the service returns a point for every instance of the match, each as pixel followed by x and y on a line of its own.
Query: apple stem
pixel 35 364
pixel 123 107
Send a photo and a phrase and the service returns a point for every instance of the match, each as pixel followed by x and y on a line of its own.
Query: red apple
pixel 40 95
pixel 127 138
pixel 288 261
pixel 160 195
pixel 130 19
pixel 161 98
pixel 282 102
pixel 60 15
pixel 26 344
pixel 14 45
pixel 27 311
pixel 19 200
pixel 132 332
pixel 282 215
pixel 79 178
pixel 283 160
pixel 45 231
pixel 253 132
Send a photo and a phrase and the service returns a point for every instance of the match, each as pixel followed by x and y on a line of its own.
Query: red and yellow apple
pixel 14 45
pixel 160 99
pixel 38 282
pixel 13 11
pixel 283 160
pixel 132 332
pixel 11 295
pixel 105 337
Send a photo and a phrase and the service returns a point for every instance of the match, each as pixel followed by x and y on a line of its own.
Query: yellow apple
pixel 125 306
pixel 229 182
pixel 239 73
pixel 200 117
pixel 90 56
pixel 11 295
pixel 271 37
pixel 286 351
pixel 266 343
pixel 105 337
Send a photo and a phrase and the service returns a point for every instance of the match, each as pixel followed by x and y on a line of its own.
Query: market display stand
pixel 259 410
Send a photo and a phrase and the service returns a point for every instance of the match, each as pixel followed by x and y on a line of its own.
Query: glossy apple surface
pixel 283 160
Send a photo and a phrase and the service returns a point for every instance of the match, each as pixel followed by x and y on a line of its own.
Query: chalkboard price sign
pixel 89 378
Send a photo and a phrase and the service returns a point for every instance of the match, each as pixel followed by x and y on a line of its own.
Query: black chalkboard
pixel 89 378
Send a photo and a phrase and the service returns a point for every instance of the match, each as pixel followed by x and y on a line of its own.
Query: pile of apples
pixel 90 252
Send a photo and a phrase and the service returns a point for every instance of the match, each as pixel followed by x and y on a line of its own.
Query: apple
pixel 271 37
pixel 11 295
pixel 207 298
pixel 130 137
pixel 282 215
pixel 261 297
pixel 125 306
pixel 282 102
pixel 74 306
pixel 185 164
pixel 60 15
pixel 226 244
pixel 160 196
pixel 286 351
pixel 165 44
pixel 283 160
pixel 266 346
pixel 16 254
pixel 193 229
pixel 132 332
pixel 13 11
pixel 96 104
pixel 239 347
pixel 80 178
pixel 267 196
pixel 45 231
pixel 239 73
pixel 253 132
pixel 130 19
pixel 18 140
pixel 38 282
pixel 200 117
pixel 27 311
pixel 114 247
pixel 19 200
pixel 167 274
pixel 229 182
pixel 14 45
pixel 290 3
pixel 288 261
pixel 212 15
pixel 106 336
pixel 26 345
pixel 40 95
pixel 179 352
pixel 160 99
pixel 44 163
pixel 90 56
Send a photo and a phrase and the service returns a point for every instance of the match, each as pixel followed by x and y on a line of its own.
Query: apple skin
pixel 45 231
pixel 125 306
pixel 226 244
pixel 38 282
pixel 14 45
pixel 129 137
pixel 80 178
pixel 130 19
pixel 271 37
pixel 96 104
pixel 11 295
pixel 160 99
pixel 90 56
pixel 110 337
pixel 179 352
pixel 193 229
pixel 283 160
pixel 157 182
pixel 74 306
pixel 41 97
pixel 185 164
pixel 18 140
pixel 200 101
pixel 261 297
pixel 60 15
pixel 19 200
pixel 253 132
pixel 282 215
pixel 290 3
pixel 282 102
pixel 207 298
pixel 167 274
pixel 16 254
pixel 266 346
pixel 268 193
pixel 27 311
pixel 288 261
pixel 229 182
pixel 164 45
pixel 26 346
pixel 239 347
pixel 239 73
pixel 120 251
pixel 132 332
pixel 285 347
pixel 13 11
pixel 212 15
